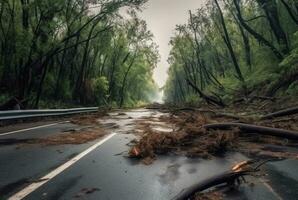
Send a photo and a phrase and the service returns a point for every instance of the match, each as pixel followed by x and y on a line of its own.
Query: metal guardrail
pixel 22 114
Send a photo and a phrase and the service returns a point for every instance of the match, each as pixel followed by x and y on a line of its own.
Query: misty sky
pixel 161 17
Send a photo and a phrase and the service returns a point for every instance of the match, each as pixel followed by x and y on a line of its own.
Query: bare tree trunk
pixel 40 88
pixel 122 94
pixel 229 45
pixel 256 35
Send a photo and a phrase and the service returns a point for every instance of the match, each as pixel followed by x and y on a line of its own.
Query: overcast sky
pixel 161 17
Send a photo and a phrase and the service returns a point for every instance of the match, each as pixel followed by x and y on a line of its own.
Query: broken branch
pixel 226 177
pixel 281 113
pixel 229 177
pixel 209 99
pixel 255 129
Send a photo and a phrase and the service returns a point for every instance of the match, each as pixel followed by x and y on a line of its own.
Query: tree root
pixel 293 135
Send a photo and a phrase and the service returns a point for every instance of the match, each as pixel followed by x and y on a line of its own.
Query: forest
pixel 78 86
pixel 233 49
pixel 63 53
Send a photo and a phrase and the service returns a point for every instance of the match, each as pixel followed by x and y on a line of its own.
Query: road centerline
pixel 34 186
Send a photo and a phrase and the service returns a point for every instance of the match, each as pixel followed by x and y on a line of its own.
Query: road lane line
pixel 271 190
pixel 33 128
pixel 34 186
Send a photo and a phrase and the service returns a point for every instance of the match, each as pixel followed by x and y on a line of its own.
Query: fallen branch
pixel 285 119
pixel 281 113
pixel 226 177
pixel 252 98
pixel 191 109
pixel 255 129
pixel 229 177
pixel 209 99
pixel 216 114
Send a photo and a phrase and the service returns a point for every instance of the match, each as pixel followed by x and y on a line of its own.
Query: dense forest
pixel 60 53
pixel 233 49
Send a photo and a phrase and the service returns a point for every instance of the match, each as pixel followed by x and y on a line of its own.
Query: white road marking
pixel 32 187
pixel 33 128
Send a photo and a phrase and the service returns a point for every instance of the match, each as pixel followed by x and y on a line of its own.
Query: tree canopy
pixel 74 52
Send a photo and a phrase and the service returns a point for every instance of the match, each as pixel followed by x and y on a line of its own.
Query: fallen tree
pixel 216 114
pixel 293 135
pixel 281 113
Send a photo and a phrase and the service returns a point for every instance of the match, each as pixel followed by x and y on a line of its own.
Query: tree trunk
pixel 256 35
pixel 122 91
pixel 40 88
pixel 229 45
pixel 270 9
pixel 291 13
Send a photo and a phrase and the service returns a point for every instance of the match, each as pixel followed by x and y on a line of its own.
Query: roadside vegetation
pixel 232 49
pixel 63 53
pixel 232 86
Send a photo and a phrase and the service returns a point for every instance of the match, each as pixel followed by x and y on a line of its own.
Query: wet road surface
pixel 105 173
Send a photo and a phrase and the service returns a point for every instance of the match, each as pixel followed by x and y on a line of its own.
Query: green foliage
pixel 62 52
pixel 100 87
pixel 201 55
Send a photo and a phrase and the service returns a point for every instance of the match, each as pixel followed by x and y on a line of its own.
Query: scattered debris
pixel 88 119
pixel 59 139
pixel 212 195
pixel 204 133
pixel 71 138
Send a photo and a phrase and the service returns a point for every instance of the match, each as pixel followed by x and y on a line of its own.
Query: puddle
pixel 126 121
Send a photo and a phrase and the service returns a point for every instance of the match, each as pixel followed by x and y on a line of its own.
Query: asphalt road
pixel 98 170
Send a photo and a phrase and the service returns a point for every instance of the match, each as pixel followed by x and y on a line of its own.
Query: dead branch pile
pixel 201 135
pixel 191 140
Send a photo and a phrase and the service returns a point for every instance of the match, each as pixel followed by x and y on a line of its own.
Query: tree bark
pixel 281 113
